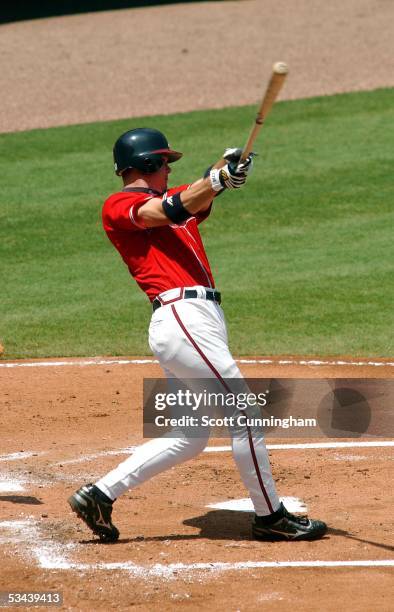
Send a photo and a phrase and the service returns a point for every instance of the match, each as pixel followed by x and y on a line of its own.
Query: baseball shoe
pixel 95 512
pixel 282 525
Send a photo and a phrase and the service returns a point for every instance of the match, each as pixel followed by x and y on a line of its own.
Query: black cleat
pixel 287 527
pixel 96 513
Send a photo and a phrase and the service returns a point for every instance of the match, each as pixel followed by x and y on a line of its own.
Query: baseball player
pixel 155 230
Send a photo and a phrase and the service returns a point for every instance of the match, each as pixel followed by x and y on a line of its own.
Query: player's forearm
pixel 179 206
pixel 198 197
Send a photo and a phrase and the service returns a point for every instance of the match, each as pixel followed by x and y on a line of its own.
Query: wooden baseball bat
pixel 279 72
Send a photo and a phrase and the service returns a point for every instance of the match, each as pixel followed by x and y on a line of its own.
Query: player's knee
pixel 191 447
pixel 229 369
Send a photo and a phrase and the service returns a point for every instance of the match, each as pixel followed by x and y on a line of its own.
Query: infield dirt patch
pixel 78 422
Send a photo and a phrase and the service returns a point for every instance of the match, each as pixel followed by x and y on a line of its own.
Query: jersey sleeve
pixel 120 211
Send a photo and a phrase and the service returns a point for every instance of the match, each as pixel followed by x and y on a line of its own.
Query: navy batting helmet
pixel 143 149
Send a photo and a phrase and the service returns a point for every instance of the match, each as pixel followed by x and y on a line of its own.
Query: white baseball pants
pixel 189 338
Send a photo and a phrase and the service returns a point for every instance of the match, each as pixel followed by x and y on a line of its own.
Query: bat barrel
pixel 279 72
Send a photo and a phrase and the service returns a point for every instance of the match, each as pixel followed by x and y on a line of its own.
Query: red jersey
pixel 158 258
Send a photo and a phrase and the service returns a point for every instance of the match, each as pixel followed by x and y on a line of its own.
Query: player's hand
pixel 233 175
pixel 232 154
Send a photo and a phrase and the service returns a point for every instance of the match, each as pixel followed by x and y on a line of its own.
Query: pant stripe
pixel 219 377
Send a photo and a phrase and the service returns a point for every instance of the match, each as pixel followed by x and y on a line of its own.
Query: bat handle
pixel 252 137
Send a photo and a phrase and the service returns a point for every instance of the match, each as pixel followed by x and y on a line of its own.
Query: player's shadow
pixel 222 525
pixel 347 534
pixel 232 525
pixel 214 525
pixel 21 499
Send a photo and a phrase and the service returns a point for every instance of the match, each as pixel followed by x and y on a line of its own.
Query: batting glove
pixel 232 176
pixel 232 154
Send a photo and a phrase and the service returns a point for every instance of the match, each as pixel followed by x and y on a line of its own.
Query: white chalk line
pixel 222 449
pixel 85 458
pixel 16 483
pixel 27 534
pixel 10 483
pixel 52 555
pixel 209 449
pixel 20 455
pixel 310 445
pixel 113 362
pixel 172 570
pixel 10 486
pixel 317 362
pixel 77 362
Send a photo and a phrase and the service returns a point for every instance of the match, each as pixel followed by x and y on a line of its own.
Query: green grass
pixel 303 255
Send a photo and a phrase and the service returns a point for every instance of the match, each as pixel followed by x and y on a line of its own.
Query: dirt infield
pixel 68 423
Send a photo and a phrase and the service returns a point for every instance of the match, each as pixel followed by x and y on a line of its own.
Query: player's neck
pixel 140 182
pixel 157 181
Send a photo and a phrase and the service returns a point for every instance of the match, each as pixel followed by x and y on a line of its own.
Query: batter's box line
pixel 225 449
pixel 21 455
pixel 208 449
pixel 113 362
pixel 312 445
pixel 50 555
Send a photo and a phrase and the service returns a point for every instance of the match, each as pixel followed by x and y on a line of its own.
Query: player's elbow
pixel 152 215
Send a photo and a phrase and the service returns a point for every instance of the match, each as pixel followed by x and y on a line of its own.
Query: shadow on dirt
pixel 21 499
pixel 347 534
pixel 227 525
pixel 214 525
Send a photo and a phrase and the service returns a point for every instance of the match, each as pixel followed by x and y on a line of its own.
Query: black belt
pixel 210 294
